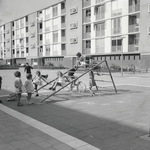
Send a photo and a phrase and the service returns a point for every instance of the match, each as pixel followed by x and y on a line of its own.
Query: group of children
pixel 30 85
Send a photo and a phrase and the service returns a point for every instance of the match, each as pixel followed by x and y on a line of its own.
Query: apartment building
pixel 56 30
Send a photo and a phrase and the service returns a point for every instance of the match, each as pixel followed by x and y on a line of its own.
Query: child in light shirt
pixel 29 88
pixel 18 87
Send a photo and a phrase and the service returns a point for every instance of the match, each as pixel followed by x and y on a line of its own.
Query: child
pixel 71 76
pixel 59 82
pixel 80 60
pixel 92 82
pixel 18 87
pixel 92 63
pixel 37 81
pixel 29 87
pixel 0 85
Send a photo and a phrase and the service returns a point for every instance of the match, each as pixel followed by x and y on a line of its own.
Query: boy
pixel 27 68
pixel 18 87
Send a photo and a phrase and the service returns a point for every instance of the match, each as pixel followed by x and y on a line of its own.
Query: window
pixel 55 36
pixel 27 40
pixel 26 29
pixel 47 48
pixel 27 50
pixel 55 24
pixel 116 44
pixel 63 47
pixel 47 26
pixel 117 7
pixel 22 32
pixel 63 19
pixel 100 46
pixel 47 38
pixel 17 24
pixel 22 22
pixel 88 28
pixel 47 13
pixel 63 5
pixel 55 11
pixel 88 13
pixel 116 26
pixel 17 33
pixel 63 33
pixel 100 12
pixel 100 29
pixel 41 37
pixel 88 44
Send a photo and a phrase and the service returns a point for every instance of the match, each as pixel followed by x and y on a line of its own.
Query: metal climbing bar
pixel 47 83
pixel 80 77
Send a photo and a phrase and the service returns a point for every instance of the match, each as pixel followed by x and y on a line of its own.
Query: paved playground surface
pixel 72 120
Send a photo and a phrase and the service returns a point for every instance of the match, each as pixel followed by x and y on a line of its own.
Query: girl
pixel 37 81
pixel 59 82
pixel 29 88
pixel 92 82
pixel 18 87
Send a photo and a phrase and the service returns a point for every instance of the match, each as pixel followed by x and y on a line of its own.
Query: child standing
pixel 29 88
pixel 0 85
pixel 18 87
pixel 92 82
pixel 59 82
pixel 37 81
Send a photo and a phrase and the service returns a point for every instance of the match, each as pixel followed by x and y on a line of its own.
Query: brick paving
pixel 107 121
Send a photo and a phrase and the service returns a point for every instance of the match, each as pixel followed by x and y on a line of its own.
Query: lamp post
pixel 122 55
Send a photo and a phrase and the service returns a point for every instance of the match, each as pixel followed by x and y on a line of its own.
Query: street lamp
pixel 122 55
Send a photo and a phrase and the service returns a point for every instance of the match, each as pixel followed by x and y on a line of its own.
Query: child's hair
pixel 59 74
pixel 91 73
pixel 78 54
pixel 17 74
pixel 29 76
pixel 38 73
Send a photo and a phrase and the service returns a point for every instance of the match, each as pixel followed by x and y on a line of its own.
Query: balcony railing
pixel 55 27
pixel 116 31
pixel 55 53
pixel 100 50
pixel 40 30
pixel 133 28
pixel 63 52
pixel 100 33
pixel 100 16
pixel 47 41
pixel 116 48
pixel 47 29
pixel 86 3
pixel 27 23
pixel 63 25
pixel 63 38
pixel 86 51
pixel 27 44
pixel 63 11
pixel 133 48
pixel 41 42
pixel 134 8
pixel 47 17
pixel 99 1
pixel 117 12
pixel 87 19
pixel 47 53
pixel 87 35
pixel 22 54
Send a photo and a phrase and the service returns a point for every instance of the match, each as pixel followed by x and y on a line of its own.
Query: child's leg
pixel 35 88
pixel 52 86
pixel 90 89
pixel 18 99
pixel 29 98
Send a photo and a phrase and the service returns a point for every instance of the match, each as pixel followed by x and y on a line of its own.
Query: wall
pixel 14 9
pixel 72 49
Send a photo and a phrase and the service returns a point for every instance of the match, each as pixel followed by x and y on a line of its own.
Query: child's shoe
pixel 53 89
pixel 93 94
pixel 46 76
pixel 19 104
pixel 50 88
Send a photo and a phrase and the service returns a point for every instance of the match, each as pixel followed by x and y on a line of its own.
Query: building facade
pixel 53 32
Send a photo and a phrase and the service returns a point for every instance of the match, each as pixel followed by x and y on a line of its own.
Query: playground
pixel 109 120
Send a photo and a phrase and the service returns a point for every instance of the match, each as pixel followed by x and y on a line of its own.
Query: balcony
pixel 22 54
pixel 55 27
pixel 100 16
pixel 63 52
pixel 27 44
pixel 63 11
pixel 100 50
pixel 100 33
pixel 41 42
pixel 47 17
pixel 86 3
pixel 47 53
pixel 40 30
pixel 133 48
pixel 63 25
pixel 116 48
pixel 27 23
pixel 17 45
pixel 99 1
pixel 87 19
pixel 63 38
pixel 13 46
pixel 134 8
pixel 86 51
pixel 12 27
pixel 47 41
pixel 87 35
pixel 116 31
pixel 17 55
pixel 55 53
pixel 22 24
pixel 47 29
pixel 134 28
pixel 116 12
